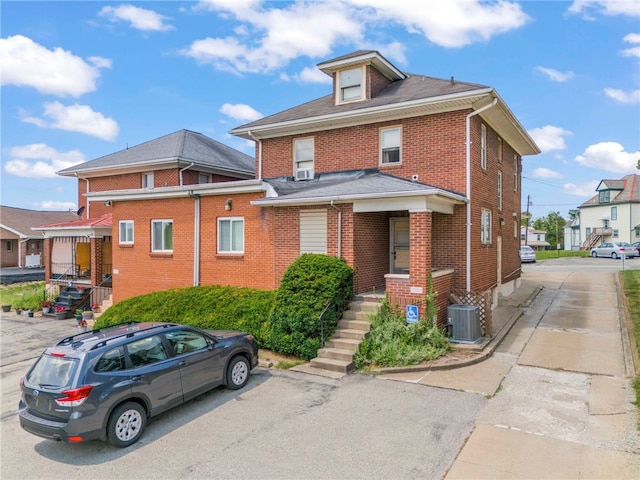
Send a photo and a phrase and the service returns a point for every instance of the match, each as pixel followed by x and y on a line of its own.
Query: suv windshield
pixel 52 372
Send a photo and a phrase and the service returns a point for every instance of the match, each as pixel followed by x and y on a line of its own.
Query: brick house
pixel 410 179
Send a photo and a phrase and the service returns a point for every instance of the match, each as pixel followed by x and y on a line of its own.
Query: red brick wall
pixel 376 82
pixel 371 250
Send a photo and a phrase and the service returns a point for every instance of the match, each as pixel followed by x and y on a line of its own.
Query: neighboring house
pixel 613 214
pixel 572 234
pixel 536 239
pixel 81 251
pixel 22 246
pixel 410 179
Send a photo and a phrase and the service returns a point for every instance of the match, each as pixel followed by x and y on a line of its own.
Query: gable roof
pixel 413 95
pixel 624 190
pixel 179 149
pixel 359 186
pixel 20 221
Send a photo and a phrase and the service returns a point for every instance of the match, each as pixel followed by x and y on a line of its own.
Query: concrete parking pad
pixel 576 352
pixel 599 320
pixel 500 453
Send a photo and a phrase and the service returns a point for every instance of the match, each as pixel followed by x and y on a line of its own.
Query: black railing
pixel 322 338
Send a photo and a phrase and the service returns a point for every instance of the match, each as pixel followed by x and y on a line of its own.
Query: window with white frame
pixel 162 236
pixel 303 158
pixel 390 146
pixel 125 229
pixel 499 190
pixel 204 178
pixel 614 213
pixel 231 235
pixel 485 226
pixel 147 180
pixel 350 84
pixel 483 146
pixel 515 173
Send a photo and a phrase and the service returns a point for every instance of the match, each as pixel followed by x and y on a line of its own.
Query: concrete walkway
pixel 559 383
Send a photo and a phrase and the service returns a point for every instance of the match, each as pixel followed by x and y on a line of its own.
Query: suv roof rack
pixel 77 343
pixel 103 342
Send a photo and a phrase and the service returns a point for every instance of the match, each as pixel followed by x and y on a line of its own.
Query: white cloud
pixel 39 160
pixel 24 63
pixel 52 205
pixel 76 118
pixel 583 190
pixel 622 96
pixel 312 29
pixel 314 75
pixel 101 62
pixel 555 75
pixel 549 138
pixel 240 112
pixel 609 156
pixel 546 173
pixel 138 18
pixel 630 8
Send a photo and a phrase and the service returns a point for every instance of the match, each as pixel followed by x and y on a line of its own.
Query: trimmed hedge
pixel 311 283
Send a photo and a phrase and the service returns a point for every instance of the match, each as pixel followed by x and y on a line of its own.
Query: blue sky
pixel 84 79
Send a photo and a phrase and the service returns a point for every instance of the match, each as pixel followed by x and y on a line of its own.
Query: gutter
pixel 196 238
pixel 339 228
pixel 259 154
pixel 183 169
pixel 468 187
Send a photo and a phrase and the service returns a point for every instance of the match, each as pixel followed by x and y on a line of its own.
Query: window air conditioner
pixel 304 174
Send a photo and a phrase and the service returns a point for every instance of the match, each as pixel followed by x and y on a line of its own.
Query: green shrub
pixel 205 307
pixel 311 283
pixel 392 342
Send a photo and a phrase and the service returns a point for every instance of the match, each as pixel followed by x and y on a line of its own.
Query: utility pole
pixel 526 230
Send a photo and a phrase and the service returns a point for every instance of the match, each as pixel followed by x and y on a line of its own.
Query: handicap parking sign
pixel 411 313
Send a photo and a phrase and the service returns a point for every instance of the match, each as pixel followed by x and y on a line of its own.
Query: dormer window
pixel 604 196
pixel 350 86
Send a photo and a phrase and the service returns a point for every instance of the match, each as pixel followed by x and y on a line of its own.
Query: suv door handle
pixel 137 378
pixel 183 363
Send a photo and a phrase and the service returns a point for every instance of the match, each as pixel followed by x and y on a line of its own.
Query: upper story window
pixel 204 178
pixel 125 228
pixel 231 235
pixel 350 85
pixel 499 190
pixel 162 236
pixel 604 196
pixel 390 146
pixel 483 147
pixel 515 173
pixel 614 213
pixel 499 149
pixel 485 226
pixel 147 180
pixel 303 158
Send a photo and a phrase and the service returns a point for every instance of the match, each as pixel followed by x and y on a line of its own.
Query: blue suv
pixel 105 384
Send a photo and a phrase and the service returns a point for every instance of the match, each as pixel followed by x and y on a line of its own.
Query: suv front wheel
pixel 126 425
pixel 238 373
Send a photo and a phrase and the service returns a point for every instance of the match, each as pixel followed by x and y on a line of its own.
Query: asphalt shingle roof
pixel 182 146
pixel 625 190
pixel 23 220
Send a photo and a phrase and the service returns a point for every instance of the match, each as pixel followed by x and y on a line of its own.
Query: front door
pixel 399 243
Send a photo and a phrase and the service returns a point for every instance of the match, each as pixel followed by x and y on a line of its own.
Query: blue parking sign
pixel 411 313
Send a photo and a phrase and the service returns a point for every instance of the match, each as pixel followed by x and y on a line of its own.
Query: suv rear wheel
pixel 126 425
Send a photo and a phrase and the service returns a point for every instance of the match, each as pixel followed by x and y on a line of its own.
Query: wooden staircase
pixel 337 354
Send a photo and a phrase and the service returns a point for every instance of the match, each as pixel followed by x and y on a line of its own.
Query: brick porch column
pixel 48 247
pixel 96 261
pixel 420 249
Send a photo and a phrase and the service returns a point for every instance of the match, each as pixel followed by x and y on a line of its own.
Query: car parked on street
pixel 105 384
pixel 527 254
pixel 615 250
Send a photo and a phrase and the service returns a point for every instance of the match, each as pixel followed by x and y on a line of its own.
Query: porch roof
pixel 368 190
pixel 98 226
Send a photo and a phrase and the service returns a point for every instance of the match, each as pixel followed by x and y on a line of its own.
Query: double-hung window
pixel 483 147
pixel 515 173
pixel 485 226
pixel 390 146
pixel 162 236
pixel 303 158
pixel 231 235
pixel 125 229
pixel 350 84
pixel 499 190
pixel 204 178
pixel 147 180
pixel 614 213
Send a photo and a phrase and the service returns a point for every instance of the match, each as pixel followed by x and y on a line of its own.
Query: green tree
pixel 574 213
pixel 553 224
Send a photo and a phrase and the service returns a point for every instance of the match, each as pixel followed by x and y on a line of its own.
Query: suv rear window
pixel 111 361
pixel 52 372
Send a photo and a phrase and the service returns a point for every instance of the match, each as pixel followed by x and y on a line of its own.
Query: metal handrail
pixel 322 322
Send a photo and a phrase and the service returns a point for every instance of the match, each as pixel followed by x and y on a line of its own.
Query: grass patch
pixel 549 254
pixel 22 295
pixel 631 289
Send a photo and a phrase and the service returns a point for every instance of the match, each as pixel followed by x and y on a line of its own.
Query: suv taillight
pixel 74 397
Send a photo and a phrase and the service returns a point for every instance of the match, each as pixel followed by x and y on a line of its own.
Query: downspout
pixel 185 168
pixel 339 229
pixel 196 239
pixel 259 154
pixel 468 168
pixel 20 242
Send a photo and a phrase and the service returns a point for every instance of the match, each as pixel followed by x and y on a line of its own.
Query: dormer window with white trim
pixel 351 85
pixel 303 158
pixel 390 146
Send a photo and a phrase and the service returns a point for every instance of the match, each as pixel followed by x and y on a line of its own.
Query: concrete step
pixel 332 364
pixel 356 315
pixel 348 333
pixel 343 343
pixel 336 354
pixel 362 325
pixel 364 306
